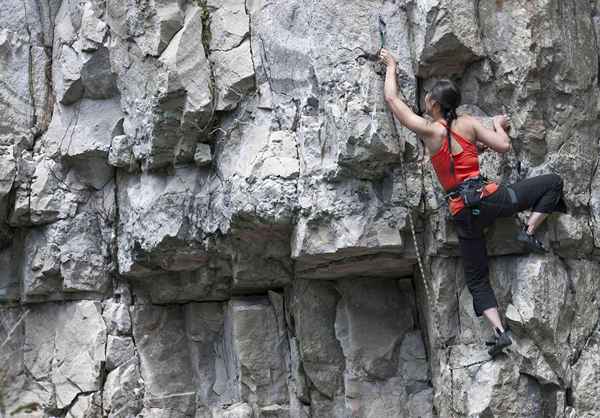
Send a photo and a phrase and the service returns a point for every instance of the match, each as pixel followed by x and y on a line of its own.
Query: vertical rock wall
pixel 205 210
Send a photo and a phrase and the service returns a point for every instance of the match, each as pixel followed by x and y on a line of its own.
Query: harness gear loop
pixel 470 190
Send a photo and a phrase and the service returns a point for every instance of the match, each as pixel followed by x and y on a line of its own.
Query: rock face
pixel 206 210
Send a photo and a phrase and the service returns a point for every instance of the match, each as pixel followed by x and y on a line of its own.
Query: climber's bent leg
pixel 542 194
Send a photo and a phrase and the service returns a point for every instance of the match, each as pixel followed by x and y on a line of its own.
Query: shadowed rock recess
pixel 205 210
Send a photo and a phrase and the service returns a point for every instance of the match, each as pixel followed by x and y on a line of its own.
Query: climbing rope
pixel 427 284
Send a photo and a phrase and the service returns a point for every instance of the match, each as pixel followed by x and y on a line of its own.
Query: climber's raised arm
pixel 496 139
pixel 401 111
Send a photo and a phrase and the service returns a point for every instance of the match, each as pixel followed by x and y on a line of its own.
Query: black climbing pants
pixel 541 194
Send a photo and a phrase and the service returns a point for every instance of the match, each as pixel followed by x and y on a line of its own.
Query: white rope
pixel 427 284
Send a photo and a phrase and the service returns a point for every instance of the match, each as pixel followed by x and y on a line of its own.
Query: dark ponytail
pixel 450 116
pixel 446 93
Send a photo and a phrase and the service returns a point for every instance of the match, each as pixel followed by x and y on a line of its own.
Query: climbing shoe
pixel 531 242
pixel 501 341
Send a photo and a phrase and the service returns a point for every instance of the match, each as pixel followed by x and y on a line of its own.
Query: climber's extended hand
pixel 503 121
pixel 387 58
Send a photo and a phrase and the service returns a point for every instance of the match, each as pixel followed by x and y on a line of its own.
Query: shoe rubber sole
pixel 503 341
pixel 530 242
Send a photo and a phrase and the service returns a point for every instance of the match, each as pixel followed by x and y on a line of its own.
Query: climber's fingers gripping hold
pixel 504 121
pixel 386 57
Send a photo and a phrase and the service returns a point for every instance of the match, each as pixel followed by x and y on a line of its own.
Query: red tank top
pixel 466 164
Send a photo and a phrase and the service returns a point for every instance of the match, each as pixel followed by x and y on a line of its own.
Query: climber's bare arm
pixel 497 140
pixel 419 125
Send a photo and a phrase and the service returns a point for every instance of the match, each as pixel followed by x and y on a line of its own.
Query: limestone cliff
pixel 206 207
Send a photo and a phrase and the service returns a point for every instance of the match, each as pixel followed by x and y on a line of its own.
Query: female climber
pixel 474 203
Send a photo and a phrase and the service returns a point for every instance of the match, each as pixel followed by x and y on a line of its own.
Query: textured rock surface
pixel 205 210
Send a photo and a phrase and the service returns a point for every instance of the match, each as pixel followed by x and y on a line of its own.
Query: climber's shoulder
pixel 466 126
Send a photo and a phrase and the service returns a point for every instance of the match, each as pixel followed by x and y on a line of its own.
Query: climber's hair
pixel 447 94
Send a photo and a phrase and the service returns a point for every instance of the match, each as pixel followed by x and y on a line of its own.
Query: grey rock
pixel 185 58
pixel 153 27
pixel 370 351
pixel 188 160
pixel 239 160
pixel 81 136
pixel 543 307
pixel 595 208
pixel 117 318
pixel 446 38
pixel 275 411
pixel 25 110
pixel 204 284
pixel 162 117
pixel 419 404
pixel 205 328
pixel 298 382
pixel 234 75
pixel 93 29
pixel 65 350
pixel 8 171
pixel 415 369
pixel 118 351
pixel 70 257
pixel 31 23
pixel 229 23
pixel 89 406
pixel 320 352
pixel 157 217
pixel 67 76
pixel 18 389
pixel 585 403
pixel 119 16
pixel 47 199
pixel 202 155
pixel 572 235
pixel 323 407
pixel 97 77
pixel 581 277
pixel 466 382
pixel 445 281
pixel 123 390
pixel 186 370
pixel 120 154
pixel 164 356
pixel 10 283
pixel 333 239
pixel 238 410
pixel 83 130
pixel 256 355
pixel 265 265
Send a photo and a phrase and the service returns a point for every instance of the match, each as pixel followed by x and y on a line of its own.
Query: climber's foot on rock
pixel 501 341
pixel 531 242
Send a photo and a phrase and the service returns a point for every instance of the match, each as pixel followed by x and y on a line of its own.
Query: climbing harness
pixel 470 190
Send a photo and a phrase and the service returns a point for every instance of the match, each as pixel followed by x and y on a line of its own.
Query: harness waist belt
pixel 470 182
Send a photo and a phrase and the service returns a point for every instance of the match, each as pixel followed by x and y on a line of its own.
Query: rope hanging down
pixel 427 284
